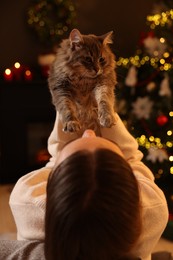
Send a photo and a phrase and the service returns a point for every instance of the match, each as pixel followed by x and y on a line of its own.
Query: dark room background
pixel 27 113
pixel 126 18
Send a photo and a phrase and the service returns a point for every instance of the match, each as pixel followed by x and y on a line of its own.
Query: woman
pixel 96 187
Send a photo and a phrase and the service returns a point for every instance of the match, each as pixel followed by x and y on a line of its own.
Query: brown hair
pixel 93 208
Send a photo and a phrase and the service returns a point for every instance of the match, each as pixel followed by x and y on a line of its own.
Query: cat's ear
pixel 76 39
pixel 107 38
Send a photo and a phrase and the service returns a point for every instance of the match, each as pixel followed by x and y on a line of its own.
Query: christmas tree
pixel 145 95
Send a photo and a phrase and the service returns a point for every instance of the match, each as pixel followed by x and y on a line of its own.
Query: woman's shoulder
pixel 30 186
pixel 150 193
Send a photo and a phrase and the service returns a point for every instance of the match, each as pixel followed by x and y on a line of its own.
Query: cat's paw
pixel 107 120
pixel 71 126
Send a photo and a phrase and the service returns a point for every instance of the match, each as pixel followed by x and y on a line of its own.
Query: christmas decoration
pixel 18 72
pixel 131 78
pixel 142 107
pixel 164 87
pixel 51 19
pixel 156 154
pixel 145 98
pixel 162 120
pixel 155 47
pixel 147 105
pixel 8 75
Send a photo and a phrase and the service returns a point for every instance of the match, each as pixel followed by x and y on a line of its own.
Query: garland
pixel 51 19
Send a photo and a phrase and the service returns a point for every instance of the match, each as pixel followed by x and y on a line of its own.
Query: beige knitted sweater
pixel 28 197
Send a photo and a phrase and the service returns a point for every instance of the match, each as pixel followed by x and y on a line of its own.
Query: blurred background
pixel 20 42
pixel 143 45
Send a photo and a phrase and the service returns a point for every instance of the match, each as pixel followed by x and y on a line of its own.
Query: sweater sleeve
pixel 20 250
pixel 58 139
pixel 27 203
pixel 129 147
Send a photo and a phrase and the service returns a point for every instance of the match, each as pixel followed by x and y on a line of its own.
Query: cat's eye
pixel 101 59
pixel 88 59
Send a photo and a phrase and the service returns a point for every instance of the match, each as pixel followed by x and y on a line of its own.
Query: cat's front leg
pixel 106 116
pixel 69 121
pixel 106 102
pixel 71 126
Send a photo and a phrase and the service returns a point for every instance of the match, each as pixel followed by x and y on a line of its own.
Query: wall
pixel 126 18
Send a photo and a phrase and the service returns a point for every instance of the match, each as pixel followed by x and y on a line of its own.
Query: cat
pixel 82 81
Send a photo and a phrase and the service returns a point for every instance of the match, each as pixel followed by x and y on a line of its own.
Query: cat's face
pixel 90 54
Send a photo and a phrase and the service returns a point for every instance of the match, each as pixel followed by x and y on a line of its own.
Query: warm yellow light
pixel 157 140
pixel 147 145
pixel 167 66
pixel 171 158
pixel 162 40
pixel 160 146
pixel 17 65
pixel 169 132
pixel 152 26
pixel 151 138
pixel 166 55
pixel 147 58
pixel 169 144
pixel 7 71
pixel 171 113
pixel 171 170
pixel 136 57
pixel 27 72
pixel 162 61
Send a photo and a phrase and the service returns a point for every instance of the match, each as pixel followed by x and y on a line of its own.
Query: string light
pixel 162 40
pixel 165 18
pixel 153 61
pixel 153 142
pixel 52 19
pixel 169 144
pixel 169 132
pixel 171 113
pixel 156 59
pixel 171 170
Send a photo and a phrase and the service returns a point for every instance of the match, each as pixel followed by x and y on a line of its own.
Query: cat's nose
pixel 99 72
pixel 89 133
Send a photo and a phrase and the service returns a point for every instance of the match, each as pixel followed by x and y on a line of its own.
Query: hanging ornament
pixel 154 47
pixel 157 154
pixel 142 107
pixel 165 87
pixel 131 78
pixel 145 35
pixel 151 86
pixel 162 120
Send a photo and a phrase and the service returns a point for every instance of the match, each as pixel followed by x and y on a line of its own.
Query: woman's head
pixel 92 209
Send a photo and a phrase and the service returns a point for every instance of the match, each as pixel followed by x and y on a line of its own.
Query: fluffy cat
pixel 82 80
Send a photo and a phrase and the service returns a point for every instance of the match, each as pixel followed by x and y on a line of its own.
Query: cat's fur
pixel 82 80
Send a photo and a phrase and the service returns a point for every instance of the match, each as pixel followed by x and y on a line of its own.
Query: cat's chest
pixel 84 98
pixel 83 92
pixel 84 95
